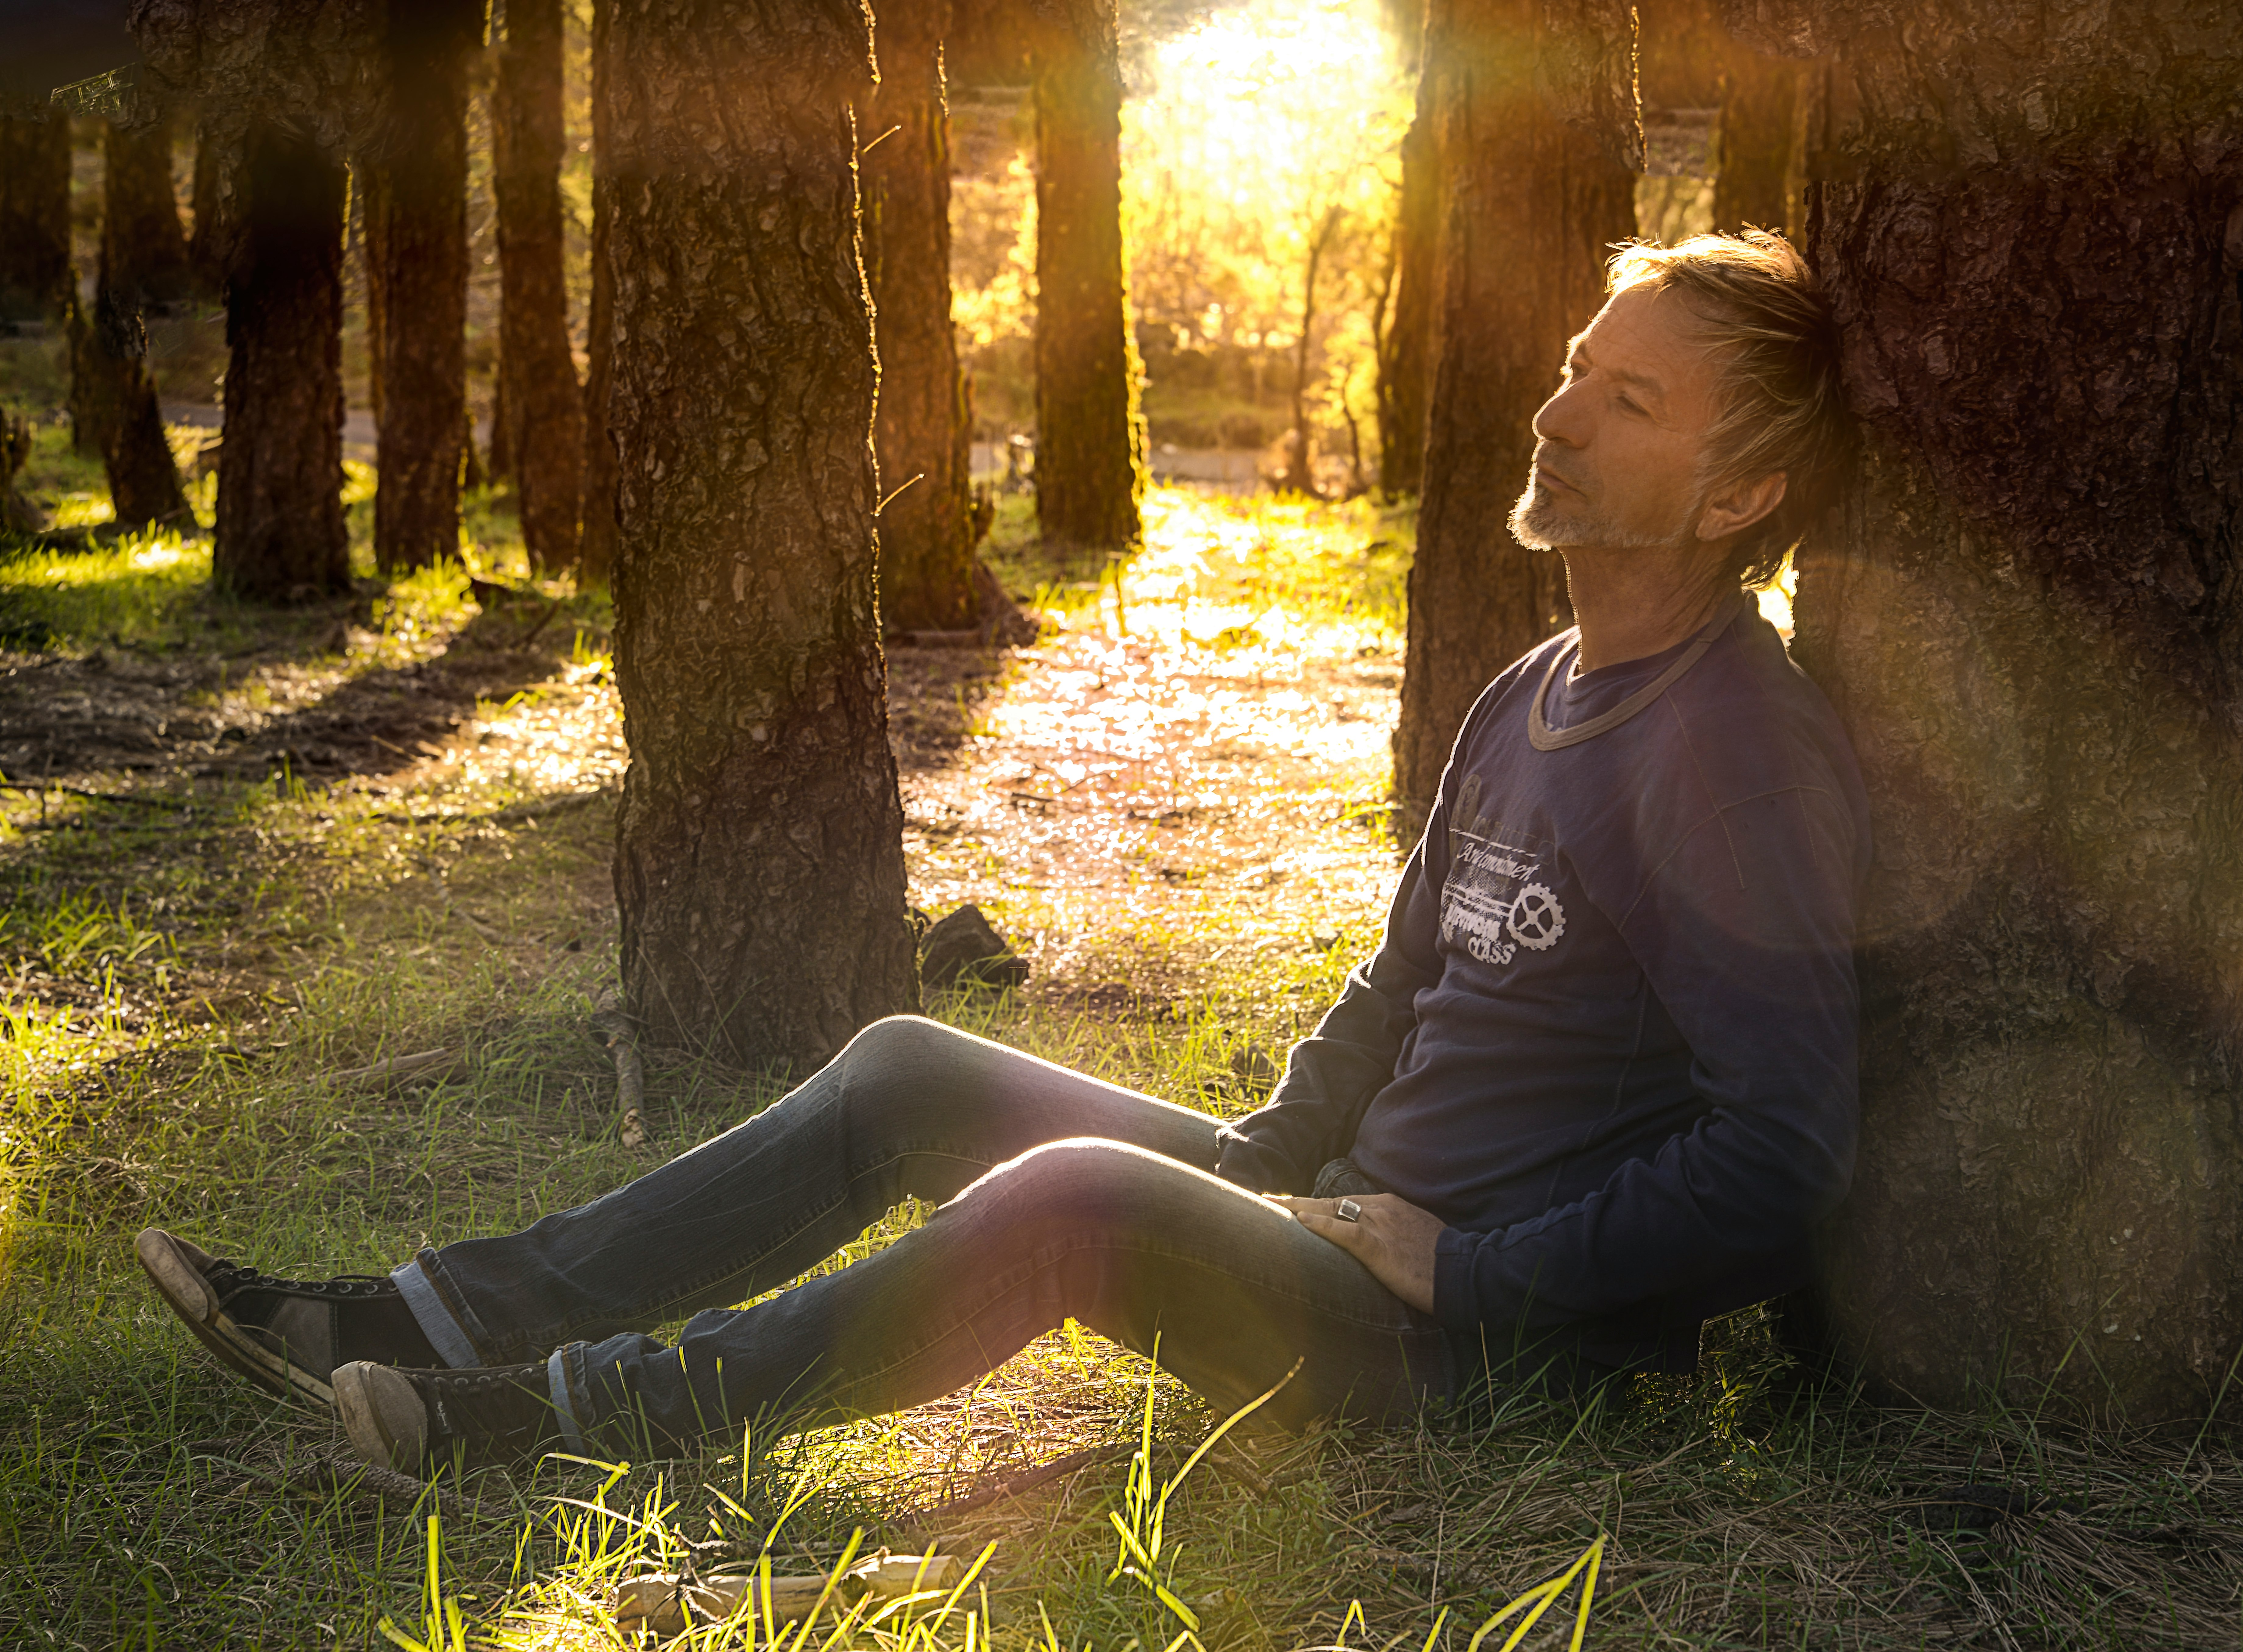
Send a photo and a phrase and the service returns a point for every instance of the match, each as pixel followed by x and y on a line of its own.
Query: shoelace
pixel 231 1278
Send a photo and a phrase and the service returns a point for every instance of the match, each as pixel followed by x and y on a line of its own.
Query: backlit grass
pixel 181 983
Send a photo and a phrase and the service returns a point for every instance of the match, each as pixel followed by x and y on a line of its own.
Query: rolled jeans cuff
pixel 452 1339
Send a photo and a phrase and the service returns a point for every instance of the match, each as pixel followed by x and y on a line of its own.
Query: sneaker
pixel 417 1421
pixel 286 1336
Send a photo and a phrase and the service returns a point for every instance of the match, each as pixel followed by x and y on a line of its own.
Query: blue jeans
pixel 1058 1196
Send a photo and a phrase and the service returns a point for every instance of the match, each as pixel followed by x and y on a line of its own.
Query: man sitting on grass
pixel 1596 1085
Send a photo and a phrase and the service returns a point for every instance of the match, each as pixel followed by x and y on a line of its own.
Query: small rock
pixel 964 947
pixel 633 1132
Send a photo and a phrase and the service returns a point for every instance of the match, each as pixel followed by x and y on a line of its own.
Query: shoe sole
pixel 188 1295
pixel 383 1414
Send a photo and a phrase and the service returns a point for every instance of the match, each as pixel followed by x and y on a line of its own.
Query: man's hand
pixel 1392 1237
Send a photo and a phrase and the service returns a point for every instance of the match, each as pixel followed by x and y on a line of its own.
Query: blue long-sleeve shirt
pixel 1609 1035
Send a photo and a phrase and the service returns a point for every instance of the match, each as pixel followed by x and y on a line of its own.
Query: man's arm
pixel 1332 1074
pixel 1746 935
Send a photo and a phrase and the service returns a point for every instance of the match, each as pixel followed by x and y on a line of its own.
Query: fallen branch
pixel 361 1482
pixel 670 1603
pixel 1074 1462
pixel 430 1067
pixel 615 1031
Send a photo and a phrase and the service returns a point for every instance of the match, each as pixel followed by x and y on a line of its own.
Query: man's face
pixel 1618 461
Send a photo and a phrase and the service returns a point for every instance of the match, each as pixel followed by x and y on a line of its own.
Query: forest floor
pixel 244 852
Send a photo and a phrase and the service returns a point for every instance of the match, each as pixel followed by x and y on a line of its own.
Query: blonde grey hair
pixel 1780 403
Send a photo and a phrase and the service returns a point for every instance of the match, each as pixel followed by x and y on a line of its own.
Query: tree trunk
pixel 596 558
pixel 544 408
pixel 280 534
pixel 35 234
pixel 205 255
pixel 1753 173
pixel 1405 356
pixel 2028 619
pixel 144 250
pixel 1090 436
pixel 417 261
pixel 927 528
pixel 759 856
pixel 1531 203
pixel 1300 474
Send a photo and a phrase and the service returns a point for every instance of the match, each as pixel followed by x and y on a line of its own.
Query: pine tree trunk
pixel 279 534
pixel 205 256
pixel 417 261
pixel 1752 141
pixel 1090 437
pixel 143 249
pixel 926 529
pixel 759 857
pixel 35 236
pixel 1531 203
pixel 1405 359
pixel 544 406
pixel 2028 618
pixel 595 560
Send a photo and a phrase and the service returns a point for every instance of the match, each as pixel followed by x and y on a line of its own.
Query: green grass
pixel 179 987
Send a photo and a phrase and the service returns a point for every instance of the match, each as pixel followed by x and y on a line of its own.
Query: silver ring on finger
pixel 1349 1211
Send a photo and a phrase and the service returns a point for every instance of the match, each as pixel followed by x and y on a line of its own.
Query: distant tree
pixel 541 403
pixel 144 247
pixel 1532 198
pixel 35 244
pixel 141 266
pixel 279 534
pixel 923 433
pixel 2026 613
pixel 206 248
pixel 596 562
pixel 1090 436
pixel 1755 173
pixel 416 237
pixel 759 863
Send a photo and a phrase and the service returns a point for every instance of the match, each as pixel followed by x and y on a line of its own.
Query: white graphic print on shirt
pixel 1497 899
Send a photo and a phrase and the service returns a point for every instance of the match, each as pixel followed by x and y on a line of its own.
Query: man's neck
pixel 1633 604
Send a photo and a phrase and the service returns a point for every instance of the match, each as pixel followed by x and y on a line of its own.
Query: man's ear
pixel 1736 506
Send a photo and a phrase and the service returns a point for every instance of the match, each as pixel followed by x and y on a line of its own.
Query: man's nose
pixel 1561 418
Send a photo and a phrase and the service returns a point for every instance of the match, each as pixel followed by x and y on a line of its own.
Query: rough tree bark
pixel 112 387
pixel 927 528
pixel 595 552
pixel 416 211
pixel 206 249
pixel 544 408
pixel 1531 197
pixel 35 246
pixel 1406 352
pixel 279 533
pixel 2029 618
pixel 759 858
pixel 1090 436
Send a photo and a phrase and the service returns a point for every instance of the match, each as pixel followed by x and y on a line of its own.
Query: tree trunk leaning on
pixel 280 535
pixel 416 210
pixel 2026 617
pixel 759 868
pixel 1531 203
pixel 1090 436
pixel 542 403
pixel 922 436
pixel 595 554
pixel 35 233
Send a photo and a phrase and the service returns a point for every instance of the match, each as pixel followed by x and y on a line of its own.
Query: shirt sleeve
pixel 1746 935
pixel 1333 1074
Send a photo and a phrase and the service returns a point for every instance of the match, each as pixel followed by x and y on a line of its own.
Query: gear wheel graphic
pixel 1536 918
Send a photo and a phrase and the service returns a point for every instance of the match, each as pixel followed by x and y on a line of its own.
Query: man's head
pixel 1700 410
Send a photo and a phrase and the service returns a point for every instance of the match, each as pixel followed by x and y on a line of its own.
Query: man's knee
pixel 1083 1181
